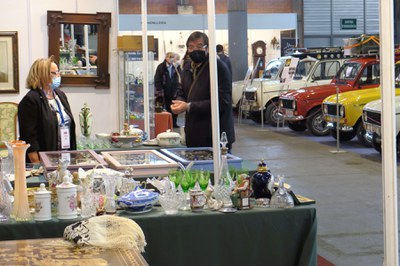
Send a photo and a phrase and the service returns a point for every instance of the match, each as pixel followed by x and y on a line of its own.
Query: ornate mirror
pixel 73 39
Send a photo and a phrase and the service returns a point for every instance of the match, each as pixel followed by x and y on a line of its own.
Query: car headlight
pixel 341 111
pixel 364 116
pixel 325 109
pixel 294 104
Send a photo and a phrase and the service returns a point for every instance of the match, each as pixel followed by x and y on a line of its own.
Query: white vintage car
pixel 309 72
pixel 372 122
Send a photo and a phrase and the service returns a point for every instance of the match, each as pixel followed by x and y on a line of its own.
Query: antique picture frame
pixel 9 70
pixel 102 22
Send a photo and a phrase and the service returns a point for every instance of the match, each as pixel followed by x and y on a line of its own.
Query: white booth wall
pixel 29 19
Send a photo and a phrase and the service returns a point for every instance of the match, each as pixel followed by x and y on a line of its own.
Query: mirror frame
pixel 103 22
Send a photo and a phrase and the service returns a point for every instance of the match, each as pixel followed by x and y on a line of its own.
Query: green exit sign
pixel 348 23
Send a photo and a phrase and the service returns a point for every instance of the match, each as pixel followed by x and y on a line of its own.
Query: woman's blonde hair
pixel 39 75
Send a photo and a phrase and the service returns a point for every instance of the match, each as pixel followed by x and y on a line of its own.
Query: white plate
pixel 151 142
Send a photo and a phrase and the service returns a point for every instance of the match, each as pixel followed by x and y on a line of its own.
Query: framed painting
pixel 9 77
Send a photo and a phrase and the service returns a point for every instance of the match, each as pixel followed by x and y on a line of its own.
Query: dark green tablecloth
pixel 281 237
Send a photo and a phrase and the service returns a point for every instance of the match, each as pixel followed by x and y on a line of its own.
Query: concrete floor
pixel 347 187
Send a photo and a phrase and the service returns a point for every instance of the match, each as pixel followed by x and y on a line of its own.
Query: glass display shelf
pixel 131 69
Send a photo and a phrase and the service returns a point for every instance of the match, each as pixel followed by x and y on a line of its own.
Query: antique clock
pixel 259 51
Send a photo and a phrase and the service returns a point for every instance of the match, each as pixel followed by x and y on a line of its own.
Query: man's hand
pixel 178 107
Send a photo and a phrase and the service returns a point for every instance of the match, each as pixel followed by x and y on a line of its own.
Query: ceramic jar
pixel 67 199
pixel 197 199
pixel 42 204
pixel 168 139
pixel 262 182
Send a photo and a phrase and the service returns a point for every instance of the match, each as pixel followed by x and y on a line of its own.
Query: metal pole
pixel 214 88
pixel 262 103
pixel 389 162
pixel 145 49
pixel 337 125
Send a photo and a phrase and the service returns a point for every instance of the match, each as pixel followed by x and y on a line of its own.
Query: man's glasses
pixel 198 47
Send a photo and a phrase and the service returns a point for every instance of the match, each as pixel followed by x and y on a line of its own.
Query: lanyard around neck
pixel 60 111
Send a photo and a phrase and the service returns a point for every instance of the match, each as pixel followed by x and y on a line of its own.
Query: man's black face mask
pixel 198 56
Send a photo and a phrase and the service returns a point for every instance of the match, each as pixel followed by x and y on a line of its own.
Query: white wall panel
pixel 372 15
pixel 317 17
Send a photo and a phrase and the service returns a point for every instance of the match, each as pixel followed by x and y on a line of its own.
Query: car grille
pixel 331 109
pixel 287 104
pixel 373 118
pixel 251 96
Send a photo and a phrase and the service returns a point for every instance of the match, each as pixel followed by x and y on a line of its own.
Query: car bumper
pixel 332 125
pixel 289 115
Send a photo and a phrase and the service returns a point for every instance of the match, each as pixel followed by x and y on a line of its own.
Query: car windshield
pixel 272 69
pixel 348 71
pixel 303 69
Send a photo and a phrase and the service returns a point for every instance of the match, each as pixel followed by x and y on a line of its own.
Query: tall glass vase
pixel 20 210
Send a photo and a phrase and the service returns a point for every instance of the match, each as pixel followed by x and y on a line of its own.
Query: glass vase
pixel 20 210
pixel 5 202
pixel 109 185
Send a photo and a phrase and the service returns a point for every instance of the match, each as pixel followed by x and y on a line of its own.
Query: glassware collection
pixel 103 190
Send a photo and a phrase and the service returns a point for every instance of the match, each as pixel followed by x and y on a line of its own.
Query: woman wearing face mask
pixel 44 115
pixel 194 95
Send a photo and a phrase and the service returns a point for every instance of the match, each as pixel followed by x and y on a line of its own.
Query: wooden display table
pixel 56 251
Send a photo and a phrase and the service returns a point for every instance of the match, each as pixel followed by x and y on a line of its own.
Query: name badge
pixel 64 132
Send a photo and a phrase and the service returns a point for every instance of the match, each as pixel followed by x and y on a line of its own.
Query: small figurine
pixel 243 192
pixel 212 203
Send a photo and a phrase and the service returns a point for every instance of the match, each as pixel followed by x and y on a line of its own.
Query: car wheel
pixel 296 126
pixel 256 117
pixel 344 135
pixel 317 125
pixel 360 131
pixel 271 114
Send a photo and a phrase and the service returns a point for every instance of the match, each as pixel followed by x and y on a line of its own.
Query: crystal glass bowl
pixel 171 203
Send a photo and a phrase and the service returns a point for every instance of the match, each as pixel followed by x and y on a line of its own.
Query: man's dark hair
pixel 197 35
pixel 220 48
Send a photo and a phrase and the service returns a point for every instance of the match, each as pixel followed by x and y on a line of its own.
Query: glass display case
pixel 85 159
pixel 131 86
pixel 143 163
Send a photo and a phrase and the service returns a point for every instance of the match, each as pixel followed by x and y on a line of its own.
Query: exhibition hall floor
pixel 347 187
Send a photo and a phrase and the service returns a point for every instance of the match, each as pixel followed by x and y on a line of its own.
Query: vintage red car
pixel 302 108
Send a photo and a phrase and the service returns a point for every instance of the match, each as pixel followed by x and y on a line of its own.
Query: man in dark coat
pixel 223 57
pixel 194 95
pixel 166 82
